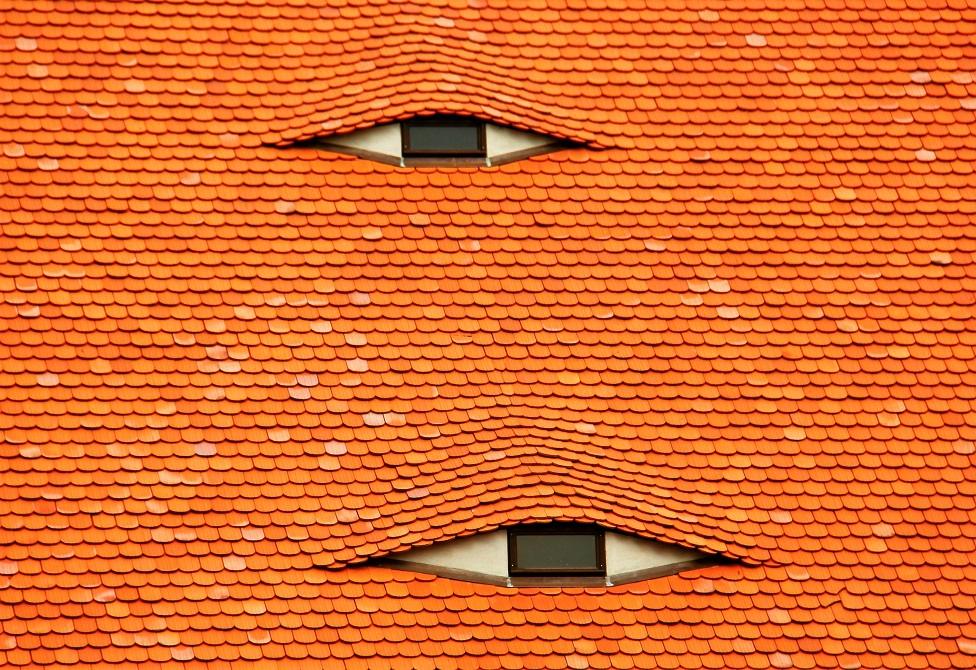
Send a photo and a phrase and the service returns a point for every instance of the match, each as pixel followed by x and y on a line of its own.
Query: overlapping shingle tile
pixel 740 318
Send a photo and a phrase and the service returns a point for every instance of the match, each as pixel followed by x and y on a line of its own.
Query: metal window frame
pixel 408 152
pixel 600 570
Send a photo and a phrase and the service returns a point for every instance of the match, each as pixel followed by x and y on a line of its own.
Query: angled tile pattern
pixel 740 320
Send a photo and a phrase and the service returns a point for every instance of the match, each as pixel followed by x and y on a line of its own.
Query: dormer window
pixel 443 137
pixel 441 140
pixel 556 550
pixel 552 554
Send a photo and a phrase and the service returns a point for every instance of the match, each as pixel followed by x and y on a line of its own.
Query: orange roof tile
pixel 737 316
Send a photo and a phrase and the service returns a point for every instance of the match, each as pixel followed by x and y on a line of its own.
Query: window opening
pixel 556 550
pixel 442 136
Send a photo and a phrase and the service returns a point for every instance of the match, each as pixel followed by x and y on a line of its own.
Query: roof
pixel 737 317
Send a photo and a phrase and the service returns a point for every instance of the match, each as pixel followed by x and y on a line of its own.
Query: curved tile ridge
pixel 320 125
pixel 448 89
pixel 512 498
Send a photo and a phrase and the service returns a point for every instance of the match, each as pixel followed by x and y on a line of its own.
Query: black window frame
pixel 408 152
pixel 600 570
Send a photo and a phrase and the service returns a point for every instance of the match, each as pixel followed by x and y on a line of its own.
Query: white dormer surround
pixel 384 143
pixel 484 558
pixel 376 141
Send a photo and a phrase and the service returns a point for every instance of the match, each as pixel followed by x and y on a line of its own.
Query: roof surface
pixel 739 317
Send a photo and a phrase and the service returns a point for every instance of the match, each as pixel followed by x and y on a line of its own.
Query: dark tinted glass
pixel 444 138
pixel 551 551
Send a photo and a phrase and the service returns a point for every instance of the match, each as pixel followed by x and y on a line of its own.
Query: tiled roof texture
pixel 739 318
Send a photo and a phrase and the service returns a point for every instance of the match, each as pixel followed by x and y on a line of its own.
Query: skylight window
pixel 443 137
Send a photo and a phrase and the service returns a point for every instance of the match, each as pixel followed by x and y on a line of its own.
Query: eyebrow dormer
pixel 552 554
pixel 441 140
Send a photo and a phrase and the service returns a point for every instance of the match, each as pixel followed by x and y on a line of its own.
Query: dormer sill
pixel 456 162
pixel 554 582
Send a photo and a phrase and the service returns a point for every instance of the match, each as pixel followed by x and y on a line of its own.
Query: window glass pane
pixel 556 552
pixel 445 138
